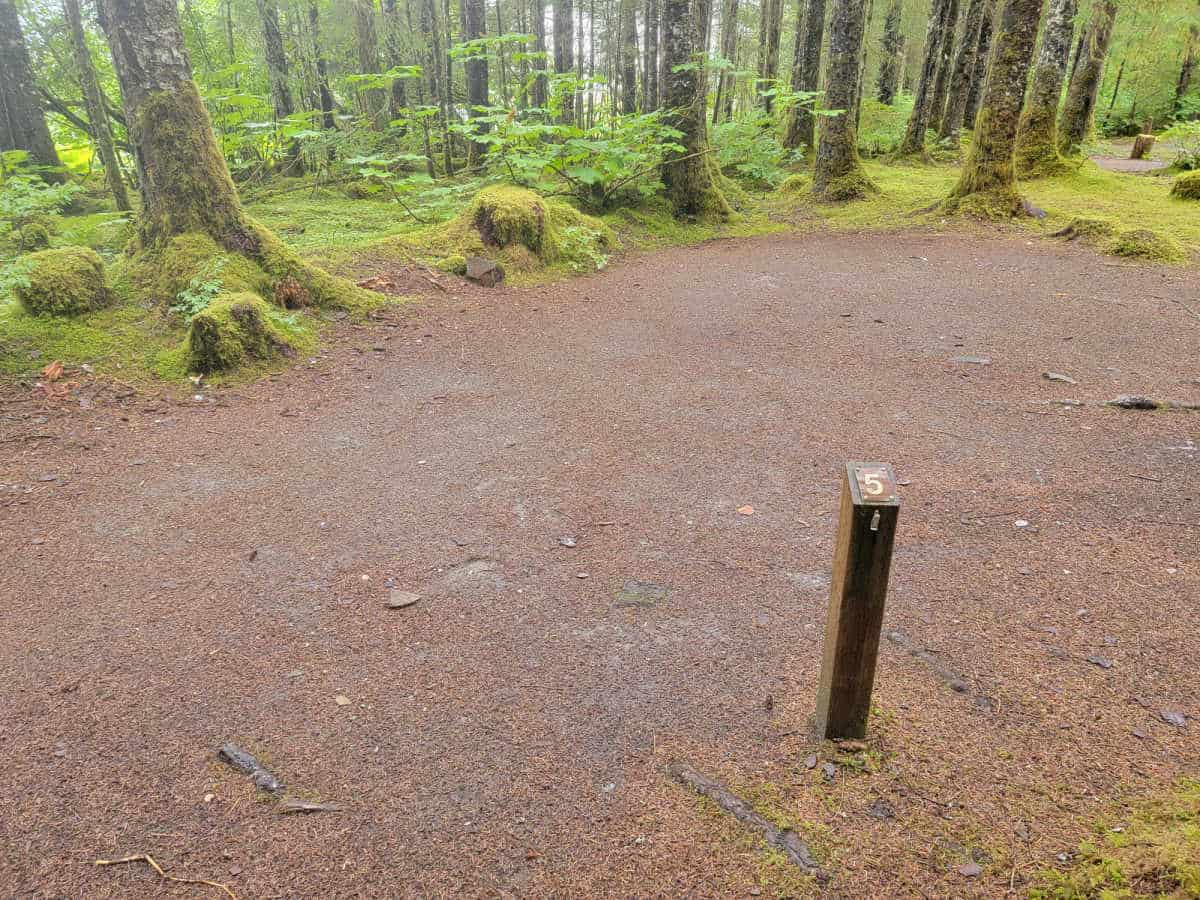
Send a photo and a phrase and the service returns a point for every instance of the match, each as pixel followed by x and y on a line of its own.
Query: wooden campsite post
pixel 862 559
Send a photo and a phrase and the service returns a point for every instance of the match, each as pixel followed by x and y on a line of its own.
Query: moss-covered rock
pixel 505 215
pixel 795 184
pixel 855 185
pixel 1142 243
pixel 454 265
pixel 33 236
pixel 1187 186
pixel 231 330
pixel 1086 227
pixel 65 282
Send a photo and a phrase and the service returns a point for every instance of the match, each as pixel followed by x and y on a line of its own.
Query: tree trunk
pixel 438 91
pixel 723 101
pixel 791 133
pixel 982 54
pixel 771 65
pixel 500 59
pixel 987 176
pixel 537 15
pixel 862 65
pixel 326 96
pixel 801 127
pixel 1185 70
pixel 277 67
pixel 689 174
pixel 476 68
pixel 393 57
pixel 941 84
pixel 960 77
pixel 918 121
pixel 891 48
pixel 650 77
pixel 1037 135
pixel 629 54
pixel 99 128
pixel 1142 145
pixel 838 174
pixel 25 122
pixel 371 100
pixel 1075 123
pixel 564 58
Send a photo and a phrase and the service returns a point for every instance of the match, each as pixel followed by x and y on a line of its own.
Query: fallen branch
pixel 784 840
pixel 149 860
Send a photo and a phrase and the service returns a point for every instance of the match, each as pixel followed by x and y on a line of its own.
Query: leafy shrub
pixel 748 149
pixel 1186 137
pixel 25 198
pixel 881 127
pixel 200 291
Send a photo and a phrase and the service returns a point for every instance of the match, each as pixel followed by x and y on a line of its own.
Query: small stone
pixel 484 272
pixel 1100 661
pixel 973 360
pixel 1058 376
pixel 1139 734
pixel 209 798
pixel 970 870
pixel 341 700
pixel 1133 401
pixel 1021 523
pixel 746 510
pixel 1024 571
pixel 398 599
pixel 830 771
pixel 641 593
pixel 811 762
pixel 1021 830
pixel 1173 717
pixel 1058 653
pixel 567 541
pixel 881 809
pixel 581 575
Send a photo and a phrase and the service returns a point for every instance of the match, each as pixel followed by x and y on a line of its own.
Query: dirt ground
pixel 181 572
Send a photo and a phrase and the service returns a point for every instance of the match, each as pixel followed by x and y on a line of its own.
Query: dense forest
pixel 179 118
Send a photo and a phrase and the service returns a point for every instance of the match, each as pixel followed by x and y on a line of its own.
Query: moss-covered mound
pixel 1142 243
pixel 795 184
pixel 1086 227
pixel 851 186
pixel 65 282
pixel 986 206
pixel 231 330
pixel 1187 186
pixel 33 236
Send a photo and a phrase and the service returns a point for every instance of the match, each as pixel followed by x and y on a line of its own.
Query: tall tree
pixel 325 94
pixel 366 38
pixel 650 79
pixel 564 57
pixel 629 55
pixel 688 174
pixel 982 54
pixel 918 120
pixel 431 35
pixel 723 101
pixel 987 184
pixel 25 123
pixel 93 101
pixel 476 68
pixel 537 16
pixel 277 67
pixel 1037 134
pixel 801 128
pixel 773 10
pixel 393 49
pixel 838 174
pixel 1075 123
pixel 891 51
pixel 791 133
pixel 1186 69
pixel 941 84
pixel 960 77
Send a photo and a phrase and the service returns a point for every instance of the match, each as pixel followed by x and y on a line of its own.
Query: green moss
pixel 854 185
pixel 234 328
pixel 160 275
pixel 279 261
pixel 64 282
pixel 1187 186
pixel 455 265
pixel 985 206
pixel 795 184
pixel 1156 852
pixel 33 236
pixel 1087 227
pixel 1142 243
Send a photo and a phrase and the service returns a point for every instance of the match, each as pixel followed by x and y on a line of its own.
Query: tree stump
pixel 1142 145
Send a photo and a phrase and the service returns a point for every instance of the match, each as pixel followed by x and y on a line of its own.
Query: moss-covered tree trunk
pixel 393 56
pixel 1037 135
pixel 960 77
pixel 918 120
pixel 802 124
pixel 1186 69
pixel 941 84
pixel 838 174
pixel 93 100
pixel 723 98
pixel 891 54
pixel 537 21
pixel 629 54
pixel 983 52
pixel 1075 124
pixel 862 66
pixel 371 101
pixel 650 79
pixel 277 67
pixel 791 134
pixel 474 26
pixel 564 52
pixel 689 175
pixel 25 123
pixel 325 95
pixel 771 64
pixel 987 185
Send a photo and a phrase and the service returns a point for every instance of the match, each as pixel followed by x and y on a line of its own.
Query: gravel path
pixel 176 574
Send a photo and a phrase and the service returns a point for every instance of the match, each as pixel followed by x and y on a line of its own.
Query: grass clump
pixel 232 329
pixel 795 184
pixel 1087 227
pixel 1187 186
pixel 1142 243
pixel 1157 854
pixel 64 282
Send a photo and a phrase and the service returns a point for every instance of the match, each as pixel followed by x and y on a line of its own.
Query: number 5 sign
pixel 875 483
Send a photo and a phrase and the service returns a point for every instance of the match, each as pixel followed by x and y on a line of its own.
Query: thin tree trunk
pixel 838 174
pixel 862 66
pixel 371 100
pixel 564 60
pixel 629 54
pixel 982 54
pixel 988 171
pixel 689 174
pixel 500 58
pixel 537 15
pixel 771 66
pixel 277 67
pixel 650 65
pixel 25 122
pixel 1185 70
pixel 1112 98
pixel 802 123
pixel 476 68
pixel 431 32
pixel 891 48
pixel 791 133
pixel 394 56
pixel 960 77
pixel 99 128
pixel 918 121
pixel 1075 124
pixel 326 96
pixel 723 101
pixel 1037 135
pixel 941 84
pixel 591 104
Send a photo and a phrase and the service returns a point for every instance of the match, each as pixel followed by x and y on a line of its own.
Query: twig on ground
pixel 1188 308
pixel 1144 477
pixel 149 860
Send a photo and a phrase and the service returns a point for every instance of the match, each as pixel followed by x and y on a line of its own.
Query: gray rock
pixel 398 599
pixel 1058 376
pixel 1133 401
pixel 1173 717
pixel 881 809
pixel 973 360
pixel 485 272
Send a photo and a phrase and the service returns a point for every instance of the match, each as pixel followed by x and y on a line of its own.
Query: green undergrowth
pixel 1153 851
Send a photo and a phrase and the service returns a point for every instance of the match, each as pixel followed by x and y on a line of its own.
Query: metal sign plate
pixel 873 483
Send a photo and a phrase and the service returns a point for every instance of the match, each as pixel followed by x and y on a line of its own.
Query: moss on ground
pixel 795 184
pixel 855 185
pixel 985 206
pixel 1142 243
pixel 1187 186
pixel 34 236
pixel 1087 227
pixel 64 282
pixel 232 329
pixel 1154 853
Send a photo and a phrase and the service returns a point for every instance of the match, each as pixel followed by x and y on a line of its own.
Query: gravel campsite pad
pixel 461 588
